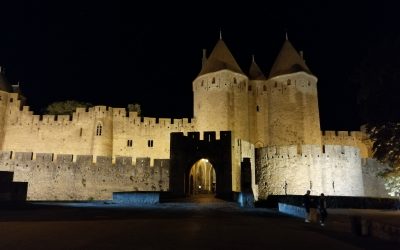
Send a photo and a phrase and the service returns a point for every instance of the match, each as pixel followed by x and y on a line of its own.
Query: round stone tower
pixel 292 101
pixel 220 94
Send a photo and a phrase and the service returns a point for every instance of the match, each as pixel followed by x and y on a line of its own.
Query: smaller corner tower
pixel 258 105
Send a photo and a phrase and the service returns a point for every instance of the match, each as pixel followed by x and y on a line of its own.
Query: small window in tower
pixel 265 88
pixel 99 129
pixel 249 88
pixel 234 80
pixel 202 83
pixel 213 80
pixel 276 84
pixel 289 82
pixel 150 143
pixel 129 143
pixel 258 108
pixel 11 99
pixel 80 132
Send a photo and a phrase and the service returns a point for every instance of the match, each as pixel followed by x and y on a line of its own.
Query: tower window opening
pixel 129 143
pixel 99 129
pixel 234 80
pixel 249 88
pixel 213 80
pixel 265 88
pixel 150 143
pixel 258 108
pixel 202 83
pixel 80 132
pixel 11 99
pixel 276 84
pixel 289 82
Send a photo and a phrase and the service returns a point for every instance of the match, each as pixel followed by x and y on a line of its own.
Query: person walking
pixel 322 209
pixel 307 204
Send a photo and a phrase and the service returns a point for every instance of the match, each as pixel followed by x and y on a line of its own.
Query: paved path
pixel 203 223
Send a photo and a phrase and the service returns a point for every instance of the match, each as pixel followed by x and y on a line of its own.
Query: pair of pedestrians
pixel 307 203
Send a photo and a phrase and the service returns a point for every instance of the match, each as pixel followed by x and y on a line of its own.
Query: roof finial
pixel 252 58
pixel 220 34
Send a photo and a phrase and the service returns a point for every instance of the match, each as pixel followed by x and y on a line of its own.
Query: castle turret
pixel 220 94
pixel 258 104
pixel 293 100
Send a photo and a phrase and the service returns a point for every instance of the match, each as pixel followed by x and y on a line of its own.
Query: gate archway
pixel 202 178
pixel 186 150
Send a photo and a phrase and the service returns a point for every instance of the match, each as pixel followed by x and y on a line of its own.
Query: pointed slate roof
pixel 255 72
pixel 288 61
pixel 4 85
pixel 219 59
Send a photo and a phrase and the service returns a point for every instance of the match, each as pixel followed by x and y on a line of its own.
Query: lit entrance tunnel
pixel 202 178
pixel 189 170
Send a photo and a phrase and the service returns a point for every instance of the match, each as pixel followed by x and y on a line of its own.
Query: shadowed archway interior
pixel 186 152
pixel 202 178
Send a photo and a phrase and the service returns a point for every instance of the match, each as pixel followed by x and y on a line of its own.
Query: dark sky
pixel 114 53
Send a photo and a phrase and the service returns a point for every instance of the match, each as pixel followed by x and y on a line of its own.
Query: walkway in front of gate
pixel 200 222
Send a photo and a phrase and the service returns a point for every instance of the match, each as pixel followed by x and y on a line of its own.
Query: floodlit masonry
pixel 274 122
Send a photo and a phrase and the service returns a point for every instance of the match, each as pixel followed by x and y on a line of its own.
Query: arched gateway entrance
pixel 202 178
pixel 185 154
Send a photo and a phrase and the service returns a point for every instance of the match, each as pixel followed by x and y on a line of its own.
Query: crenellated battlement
pixel 77 177
pixel 81 159
pixel 26 117
pixel 351 138
pixel 208 136
pixel 312 151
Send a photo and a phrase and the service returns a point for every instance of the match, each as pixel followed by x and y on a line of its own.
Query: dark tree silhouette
pixel 378 80
pixel 65 107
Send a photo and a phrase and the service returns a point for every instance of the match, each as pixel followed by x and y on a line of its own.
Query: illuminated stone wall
pixel 221 103
pixel 284 111
pixel 77 134
pixel 68 177
pixel 374 185
pixel 330 169
pixel 349 138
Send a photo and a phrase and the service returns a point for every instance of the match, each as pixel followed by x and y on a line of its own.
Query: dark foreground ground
pixel 201 223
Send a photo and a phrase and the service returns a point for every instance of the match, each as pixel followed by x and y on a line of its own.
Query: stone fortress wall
pixel 98 131
pixel 68 177
pixel 274 123
pixel 329 169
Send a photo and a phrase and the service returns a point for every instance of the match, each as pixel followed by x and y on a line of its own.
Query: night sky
pixel 110 53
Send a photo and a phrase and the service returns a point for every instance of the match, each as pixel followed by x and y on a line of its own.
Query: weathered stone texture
pixel 64 179
pixel 333 170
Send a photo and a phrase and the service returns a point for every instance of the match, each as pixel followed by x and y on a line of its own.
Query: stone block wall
pixel 330 169
pixel 65 177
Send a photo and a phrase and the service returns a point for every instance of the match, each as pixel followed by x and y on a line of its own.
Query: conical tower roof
pixel 255 72
pixel 4 84
pixel 288 61
pixel 219 59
